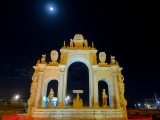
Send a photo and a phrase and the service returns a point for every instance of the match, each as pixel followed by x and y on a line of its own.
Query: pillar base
pixel 96 105
pixel 124 112
pixel 105 106
pixel 29 111
pixel 60 105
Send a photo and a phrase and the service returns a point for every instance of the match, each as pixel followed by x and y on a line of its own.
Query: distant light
pixel 51 8
pixel 16 97
pixel 68 97
pixel 158 102
pixel 135 104
pixel 139 104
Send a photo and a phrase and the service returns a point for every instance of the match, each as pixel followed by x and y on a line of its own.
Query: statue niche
pixel 50 97
pixel 104 99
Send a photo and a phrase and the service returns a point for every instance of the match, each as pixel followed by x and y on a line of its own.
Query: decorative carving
pixel 38 62
pixel 43 59
pixel 54 55
pixel 49 74
pixel 102 57
pixel 85 44
pixel 104 98
pixel 71 43
pixel 123 101
pixel 33 89
pixel 113 61
pixel 50 96
pixel 94 56
pixel 92 44
pixel 81 54
pixel 78 37
pixel 64 45
pixel 78 41
pixel 64 57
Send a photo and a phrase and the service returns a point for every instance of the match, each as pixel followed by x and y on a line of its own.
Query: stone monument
pixel 79 50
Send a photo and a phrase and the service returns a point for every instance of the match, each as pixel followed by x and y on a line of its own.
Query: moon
pixel 51 8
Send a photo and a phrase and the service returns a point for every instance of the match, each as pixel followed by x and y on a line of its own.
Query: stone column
pixel 60 90
pixel 114 75
pixel 96 104
pixel 39 87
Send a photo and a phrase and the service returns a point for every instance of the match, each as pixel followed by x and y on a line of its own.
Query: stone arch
pixel 87 63
pixel 46 84
pixel 78 78
pixel 44 89
pixel 110 88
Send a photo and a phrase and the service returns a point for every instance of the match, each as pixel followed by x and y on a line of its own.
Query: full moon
pixel 51 8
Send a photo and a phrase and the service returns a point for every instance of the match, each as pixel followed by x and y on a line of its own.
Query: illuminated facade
pixel 78 51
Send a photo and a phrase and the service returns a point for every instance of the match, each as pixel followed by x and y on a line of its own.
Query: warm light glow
pixel 16 97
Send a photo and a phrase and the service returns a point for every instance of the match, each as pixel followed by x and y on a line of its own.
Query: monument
pixel 78 51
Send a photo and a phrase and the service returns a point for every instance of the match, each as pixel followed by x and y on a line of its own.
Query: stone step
pixel 78 113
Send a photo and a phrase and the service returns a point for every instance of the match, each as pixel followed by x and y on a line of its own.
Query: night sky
pixel 127 30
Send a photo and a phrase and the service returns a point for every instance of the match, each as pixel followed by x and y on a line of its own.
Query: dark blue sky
pixel 128 30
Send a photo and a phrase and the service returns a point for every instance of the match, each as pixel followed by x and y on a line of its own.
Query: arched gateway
pixel 78 51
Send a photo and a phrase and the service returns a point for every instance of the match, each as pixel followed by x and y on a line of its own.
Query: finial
pixel 43 59
pixel 38 61
pixel 92 44
pixel 64 45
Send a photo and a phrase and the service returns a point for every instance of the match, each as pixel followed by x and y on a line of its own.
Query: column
pixel 114 75
pixel 96 104
pixel 37 102
pixel 60 90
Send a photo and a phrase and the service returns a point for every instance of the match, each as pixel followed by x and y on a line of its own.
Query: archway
pixel 53 84
pixel 105 83
pixel 48 85
pixel 78 79
pixel 87 63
